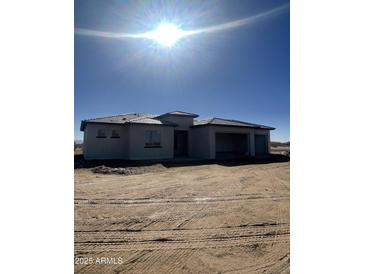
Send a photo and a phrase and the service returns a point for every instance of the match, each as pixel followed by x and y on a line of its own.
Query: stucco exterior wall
pixel 105 148
pixel 136 146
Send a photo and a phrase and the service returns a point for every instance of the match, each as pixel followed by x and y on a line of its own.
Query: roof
pixel 149 119
pixel 129 118
pixel 180 113
pixel 226 122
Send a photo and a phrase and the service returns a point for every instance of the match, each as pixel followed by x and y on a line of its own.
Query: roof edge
pixel 85 122
pixel 147 124
pixel 183 113
pixel 111 116
pixel 254 127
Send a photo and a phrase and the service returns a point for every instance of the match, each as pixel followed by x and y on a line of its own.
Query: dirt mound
pixel 128 170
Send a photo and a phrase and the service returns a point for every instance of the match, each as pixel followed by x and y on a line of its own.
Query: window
pixel 115 134
pixel 153 138
pixel 101 133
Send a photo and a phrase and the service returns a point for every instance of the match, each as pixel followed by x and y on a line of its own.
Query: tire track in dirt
pixel 180 200
pixel 115 246
pixel 271 265
pixel 258 225
pixel 180 234
pixel 137 258
pixel 171 260
pixel 179 239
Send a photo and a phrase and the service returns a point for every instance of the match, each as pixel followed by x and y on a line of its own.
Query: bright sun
pixel 166 34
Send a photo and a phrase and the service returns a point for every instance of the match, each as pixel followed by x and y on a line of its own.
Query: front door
pixel 180 143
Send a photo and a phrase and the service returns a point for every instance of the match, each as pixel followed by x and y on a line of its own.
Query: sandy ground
pixel 193 219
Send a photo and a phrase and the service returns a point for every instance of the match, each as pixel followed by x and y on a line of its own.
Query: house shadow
pixel 81 162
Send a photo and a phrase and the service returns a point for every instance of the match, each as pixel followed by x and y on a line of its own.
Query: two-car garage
pixel 218 138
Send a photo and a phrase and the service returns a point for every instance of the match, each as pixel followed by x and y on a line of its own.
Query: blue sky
pixel 241 73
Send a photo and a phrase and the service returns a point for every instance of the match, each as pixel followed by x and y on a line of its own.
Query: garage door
pixel 231 145
pixel 261 145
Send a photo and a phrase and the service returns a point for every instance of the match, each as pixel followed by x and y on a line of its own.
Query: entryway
pixel 180 143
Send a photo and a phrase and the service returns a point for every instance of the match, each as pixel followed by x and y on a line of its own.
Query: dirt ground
pixel 214 218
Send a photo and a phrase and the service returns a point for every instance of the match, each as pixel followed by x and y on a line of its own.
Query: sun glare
pixel 166 34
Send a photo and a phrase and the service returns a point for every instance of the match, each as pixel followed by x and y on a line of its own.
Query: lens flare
pixel 166 34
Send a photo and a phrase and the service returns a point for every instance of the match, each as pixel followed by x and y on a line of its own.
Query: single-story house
pixel 174 134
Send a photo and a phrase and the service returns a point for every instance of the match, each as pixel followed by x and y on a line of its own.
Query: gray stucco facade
pixel 173 134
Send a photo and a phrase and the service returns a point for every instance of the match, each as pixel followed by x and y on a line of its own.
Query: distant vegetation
pixel 280 144
pixel 282 148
